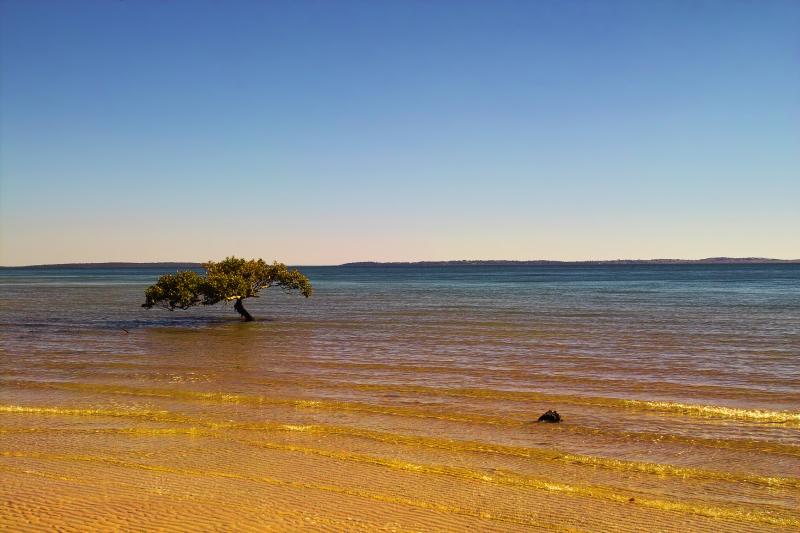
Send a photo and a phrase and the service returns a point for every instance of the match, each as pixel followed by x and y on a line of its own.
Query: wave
pixel 200 427
pixel 785 418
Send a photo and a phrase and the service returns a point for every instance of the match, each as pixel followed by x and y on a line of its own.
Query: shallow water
pixel 403 398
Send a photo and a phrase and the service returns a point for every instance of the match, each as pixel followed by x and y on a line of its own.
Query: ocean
pixel 405 398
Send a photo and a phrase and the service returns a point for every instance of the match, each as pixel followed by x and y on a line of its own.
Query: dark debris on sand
pixel 550 416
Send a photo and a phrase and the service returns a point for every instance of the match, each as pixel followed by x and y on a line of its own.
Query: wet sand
pixel 136 445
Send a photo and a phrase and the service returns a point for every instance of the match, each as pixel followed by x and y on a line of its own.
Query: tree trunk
pixel 242 311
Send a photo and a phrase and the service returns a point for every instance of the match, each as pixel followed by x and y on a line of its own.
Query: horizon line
pixel 717 259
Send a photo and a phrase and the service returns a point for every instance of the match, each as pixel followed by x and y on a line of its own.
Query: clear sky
pixel 319 132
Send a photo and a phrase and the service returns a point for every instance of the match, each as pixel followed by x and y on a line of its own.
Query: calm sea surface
pixel 679 387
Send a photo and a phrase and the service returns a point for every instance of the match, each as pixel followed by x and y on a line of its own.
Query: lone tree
pixel 231 279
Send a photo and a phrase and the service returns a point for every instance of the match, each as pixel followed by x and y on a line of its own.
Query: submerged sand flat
pixel 371 423
pixel 130 447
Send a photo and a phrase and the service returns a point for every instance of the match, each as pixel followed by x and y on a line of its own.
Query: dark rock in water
pixel 550 416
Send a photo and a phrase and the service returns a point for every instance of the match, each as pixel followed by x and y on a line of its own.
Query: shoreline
pixel 455 262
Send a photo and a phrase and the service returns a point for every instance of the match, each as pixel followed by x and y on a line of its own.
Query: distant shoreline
pixel 461 262
pixel 110 265
pixel 545 262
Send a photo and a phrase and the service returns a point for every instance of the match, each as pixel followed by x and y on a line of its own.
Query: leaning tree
pixel 231 279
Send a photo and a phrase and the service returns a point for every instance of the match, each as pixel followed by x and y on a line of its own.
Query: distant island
pixel 501 262
pixel 459 262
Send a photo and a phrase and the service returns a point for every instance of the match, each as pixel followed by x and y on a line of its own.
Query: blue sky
pixel 323 132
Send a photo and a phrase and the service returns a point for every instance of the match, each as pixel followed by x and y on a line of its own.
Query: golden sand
pixel 78 455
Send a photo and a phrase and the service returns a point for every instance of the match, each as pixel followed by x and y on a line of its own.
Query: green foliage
pixel 230 279
pixel 180 290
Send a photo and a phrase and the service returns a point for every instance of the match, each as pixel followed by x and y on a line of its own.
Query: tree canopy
pixel 230 279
